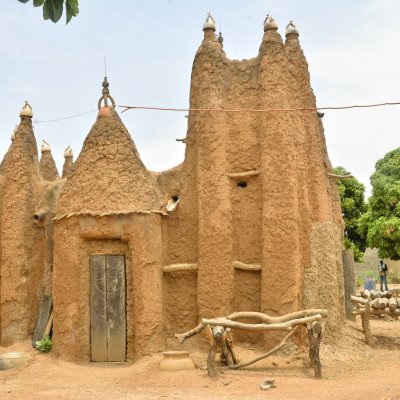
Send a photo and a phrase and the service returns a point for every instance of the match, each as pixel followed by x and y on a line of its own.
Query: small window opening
pixel 175 198
pixel 242 184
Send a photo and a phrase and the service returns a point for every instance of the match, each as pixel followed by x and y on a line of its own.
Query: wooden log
pixel 229 343
pixel 217 333
pixel 246 267
pixel 45 310
pixel 365 294
pixel 373 294
pixel 179 267
pixel 348 175
pixel 314 331
pixel 373 311
pixel 392 304
pixel 49 325
pixel 211 370
pixel 383 302
pixel 236 175
pixel 225 352
pixel 375 303
pixel 358 300
pixel 228 353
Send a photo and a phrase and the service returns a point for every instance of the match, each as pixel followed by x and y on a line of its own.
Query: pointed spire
pixel 210 22
pixel 221 39
pixel 105 97
pixel 14 132
pixel 26 110
pixel 291 28
pixel 45 146
pixel 270 23
pixel 48 167
pixel 68 163
pixel 68 152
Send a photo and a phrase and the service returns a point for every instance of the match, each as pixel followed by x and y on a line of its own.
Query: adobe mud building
pixel 250 220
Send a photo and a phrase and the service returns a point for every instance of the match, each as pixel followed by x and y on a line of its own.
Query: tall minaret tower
pixel 20 262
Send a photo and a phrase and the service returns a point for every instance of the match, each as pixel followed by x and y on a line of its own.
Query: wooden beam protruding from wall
pixel 247 267
pixel 179 267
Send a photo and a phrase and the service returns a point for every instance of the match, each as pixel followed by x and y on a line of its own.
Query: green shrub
pixel 394 276
pixel 44 345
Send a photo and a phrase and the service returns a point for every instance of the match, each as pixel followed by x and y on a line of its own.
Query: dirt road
pixel 351 371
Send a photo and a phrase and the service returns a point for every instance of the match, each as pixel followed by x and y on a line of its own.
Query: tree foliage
pixel 382 220
pixel 352 199
pixel 53 9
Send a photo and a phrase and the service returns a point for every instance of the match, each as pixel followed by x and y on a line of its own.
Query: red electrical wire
pixel 126 108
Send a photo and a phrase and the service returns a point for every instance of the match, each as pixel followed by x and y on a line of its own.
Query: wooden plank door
pixel 108 314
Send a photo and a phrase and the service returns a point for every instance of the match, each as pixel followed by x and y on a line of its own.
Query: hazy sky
pixel 352 48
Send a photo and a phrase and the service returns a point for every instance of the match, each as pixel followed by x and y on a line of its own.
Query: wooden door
pixel 107 310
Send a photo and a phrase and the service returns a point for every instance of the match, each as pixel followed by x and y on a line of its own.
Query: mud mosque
pixel 250 220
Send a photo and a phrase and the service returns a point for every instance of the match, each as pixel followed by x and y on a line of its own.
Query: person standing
pixel 382 269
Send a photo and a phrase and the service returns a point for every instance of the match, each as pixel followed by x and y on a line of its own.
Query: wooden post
pixel 217 333
pixel 314 331
pixel 45 311
pixel 365 325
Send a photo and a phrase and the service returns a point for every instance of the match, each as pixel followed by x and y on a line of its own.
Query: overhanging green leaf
pixel 38 3
pixel 74 4
pixel 23 1
pixel 53 9
pixel 72 9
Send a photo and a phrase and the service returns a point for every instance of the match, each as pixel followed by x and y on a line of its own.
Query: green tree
pixel 53 9
pixel 352 199
pixel 382 220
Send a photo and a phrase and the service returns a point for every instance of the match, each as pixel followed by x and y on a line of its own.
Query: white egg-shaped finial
pixel 269 23
pixel 68 152
pixel 45 146
pixel 26 110
pixel 210 22
pixel 291 28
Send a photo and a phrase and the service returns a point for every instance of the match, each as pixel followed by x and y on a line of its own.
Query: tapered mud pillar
pixel 281 270
pixel 19 266
pixel 215 271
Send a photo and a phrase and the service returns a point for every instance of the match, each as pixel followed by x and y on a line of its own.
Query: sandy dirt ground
pixel 352 370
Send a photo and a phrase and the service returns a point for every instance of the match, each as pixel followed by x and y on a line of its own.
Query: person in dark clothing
pixel 382 269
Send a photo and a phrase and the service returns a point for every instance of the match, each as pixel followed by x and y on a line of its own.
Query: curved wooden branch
pixel 246 267
pixel 267 319
pixel 274 320
pixel 186 335
pixel 265 355
pixel 284 326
